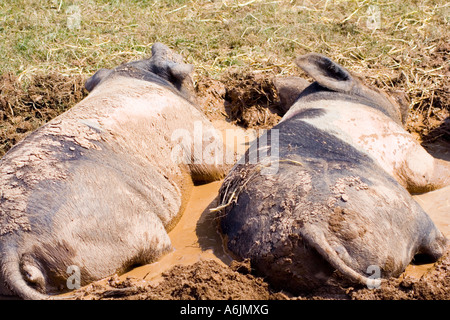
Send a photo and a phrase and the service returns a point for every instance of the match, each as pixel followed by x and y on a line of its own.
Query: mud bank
pixel 199 267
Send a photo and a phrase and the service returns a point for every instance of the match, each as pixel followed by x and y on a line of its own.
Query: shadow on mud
pixel 437 142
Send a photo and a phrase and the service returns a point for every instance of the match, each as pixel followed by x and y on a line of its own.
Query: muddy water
pixel 437 205
pixel 195 236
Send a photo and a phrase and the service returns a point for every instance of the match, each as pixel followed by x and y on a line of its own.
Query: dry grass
pixel 25 108
pixel 45 56
pixel 408 51
pixel 215 35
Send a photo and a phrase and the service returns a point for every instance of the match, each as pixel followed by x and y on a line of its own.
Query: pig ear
pixel 160 49
pixel 171 60
pixel 162 52
pixel 93 81
pixel 288 89
pixel 326 72
pixel 180 70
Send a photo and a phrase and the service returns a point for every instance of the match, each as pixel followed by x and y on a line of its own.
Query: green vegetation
pixel 405 48
pixel 215 35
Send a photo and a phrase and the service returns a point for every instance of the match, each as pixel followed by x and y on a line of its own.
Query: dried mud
pixel 25 107
pixel 203 280
pixel 248 101
pixel 209 280
pixel 429 120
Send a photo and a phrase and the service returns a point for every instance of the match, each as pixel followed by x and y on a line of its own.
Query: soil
pixel 246 100
pixel 429 120
pixel 199 267
pixel 25 107
pixel 204 280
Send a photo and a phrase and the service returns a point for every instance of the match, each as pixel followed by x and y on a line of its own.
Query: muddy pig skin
pixel 326 189
pixel 97 188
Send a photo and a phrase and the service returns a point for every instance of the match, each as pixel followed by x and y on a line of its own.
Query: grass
pixel 216 35
pixel 408 51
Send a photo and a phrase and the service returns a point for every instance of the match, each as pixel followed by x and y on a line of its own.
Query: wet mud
pixel 199 266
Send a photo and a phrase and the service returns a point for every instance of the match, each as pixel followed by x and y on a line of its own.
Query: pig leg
pixel 210 158
pixel 422 173
pixel 289 89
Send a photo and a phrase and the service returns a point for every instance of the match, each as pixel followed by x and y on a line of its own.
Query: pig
pixel 95 191
pixel 288 89
pixel 324 197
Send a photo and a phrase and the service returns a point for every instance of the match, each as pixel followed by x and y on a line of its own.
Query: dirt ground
pixel 208 279
pixel 248 101
pixel 25 106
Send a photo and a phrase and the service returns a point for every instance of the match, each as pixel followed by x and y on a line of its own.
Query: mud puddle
pixel 437 205
pixel 194 238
